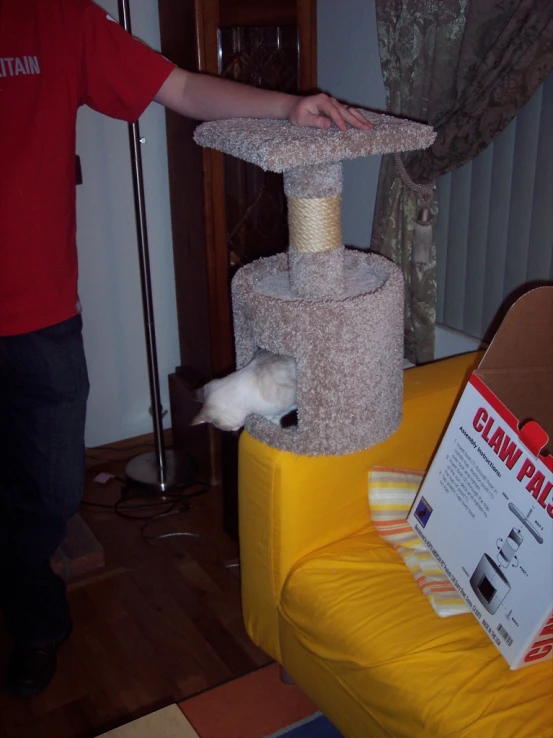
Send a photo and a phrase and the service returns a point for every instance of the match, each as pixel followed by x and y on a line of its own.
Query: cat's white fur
pixel 266 386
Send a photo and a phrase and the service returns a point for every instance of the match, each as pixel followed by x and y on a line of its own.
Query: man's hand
pixel 206 97
pixel 320 111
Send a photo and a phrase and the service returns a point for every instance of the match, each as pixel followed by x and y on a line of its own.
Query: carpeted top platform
pixel 277 145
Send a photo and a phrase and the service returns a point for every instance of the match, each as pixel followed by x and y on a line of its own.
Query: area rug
pixel 258 705
pixel 316 726
pixel 166 723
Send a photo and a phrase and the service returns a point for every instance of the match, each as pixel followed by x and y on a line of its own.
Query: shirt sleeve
pixel 121 75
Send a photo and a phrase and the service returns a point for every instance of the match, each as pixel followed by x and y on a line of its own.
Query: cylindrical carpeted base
pixel 349 352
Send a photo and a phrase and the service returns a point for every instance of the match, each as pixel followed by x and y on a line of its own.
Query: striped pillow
pixel 391 494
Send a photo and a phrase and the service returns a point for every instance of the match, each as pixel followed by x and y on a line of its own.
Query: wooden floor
pixel 161 622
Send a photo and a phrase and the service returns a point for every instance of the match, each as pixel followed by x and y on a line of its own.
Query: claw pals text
pixel 510 454
pixel 543 645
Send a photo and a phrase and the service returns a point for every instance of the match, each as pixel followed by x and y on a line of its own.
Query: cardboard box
pixel 485 508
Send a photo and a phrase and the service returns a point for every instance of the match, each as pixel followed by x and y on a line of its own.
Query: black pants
pixel 43 393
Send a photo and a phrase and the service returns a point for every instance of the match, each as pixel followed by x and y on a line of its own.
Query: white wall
pixel 109 282
pixel 349 68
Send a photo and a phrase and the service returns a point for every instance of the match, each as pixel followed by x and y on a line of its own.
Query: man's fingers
pixel 320 111
pixel 357 119
pixel 336 115
pixel 320 121
pixel 342 114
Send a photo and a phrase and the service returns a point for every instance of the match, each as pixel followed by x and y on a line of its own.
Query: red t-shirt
pixel 55 55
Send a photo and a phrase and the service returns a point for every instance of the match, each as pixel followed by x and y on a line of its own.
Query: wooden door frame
pixel 208 19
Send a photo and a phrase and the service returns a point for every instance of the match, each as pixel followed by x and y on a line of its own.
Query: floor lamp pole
pixel 162 469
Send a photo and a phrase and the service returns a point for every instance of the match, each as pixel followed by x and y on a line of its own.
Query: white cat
pixel 266 386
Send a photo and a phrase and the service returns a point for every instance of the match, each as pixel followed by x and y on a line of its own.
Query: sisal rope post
pixel 315 224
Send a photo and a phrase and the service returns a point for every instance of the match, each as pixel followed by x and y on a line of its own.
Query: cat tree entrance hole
pixel 289 421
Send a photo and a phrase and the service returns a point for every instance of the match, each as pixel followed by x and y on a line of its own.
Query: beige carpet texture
pixel 278 146
pixel 349 352
pixel 337 311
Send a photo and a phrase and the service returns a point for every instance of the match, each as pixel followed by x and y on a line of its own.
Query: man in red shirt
pixel 54 57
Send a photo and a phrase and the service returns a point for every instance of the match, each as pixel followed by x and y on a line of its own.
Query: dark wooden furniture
pixel 224 212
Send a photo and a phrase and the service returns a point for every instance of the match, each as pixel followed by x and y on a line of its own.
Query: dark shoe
pixel 31 668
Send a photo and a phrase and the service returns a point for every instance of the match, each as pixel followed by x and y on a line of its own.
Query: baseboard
pixel 124 449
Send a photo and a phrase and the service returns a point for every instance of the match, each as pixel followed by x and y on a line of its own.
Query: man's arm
pixel 203 97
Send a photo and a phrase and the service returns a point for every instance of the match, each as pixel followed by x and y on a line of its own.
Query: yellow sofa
pixel 326 597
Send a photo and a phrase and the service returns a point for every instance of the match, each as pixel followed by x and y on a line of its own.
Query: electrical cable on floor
pixel 170 500
pixel 177 534
pixel 187 534
pixel 175 503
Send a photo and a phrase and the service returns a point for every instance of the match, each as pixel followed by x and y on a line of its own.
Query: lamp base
pixel 143 472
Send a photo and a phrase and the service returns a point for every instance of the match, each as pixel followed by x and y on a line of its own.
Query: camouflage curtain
pixel 466 67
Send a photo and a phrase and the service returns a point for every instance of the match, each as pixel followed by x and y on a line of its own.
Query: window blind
pixel 494 233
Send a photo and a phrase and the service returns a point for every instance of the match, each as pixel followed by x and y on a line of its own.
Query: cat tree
pixel 338 312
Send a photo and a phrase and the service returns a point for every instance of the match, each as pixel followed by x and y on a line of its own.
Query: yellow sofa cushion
pixel 291 506
pixel 391 495
pixel 355 605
